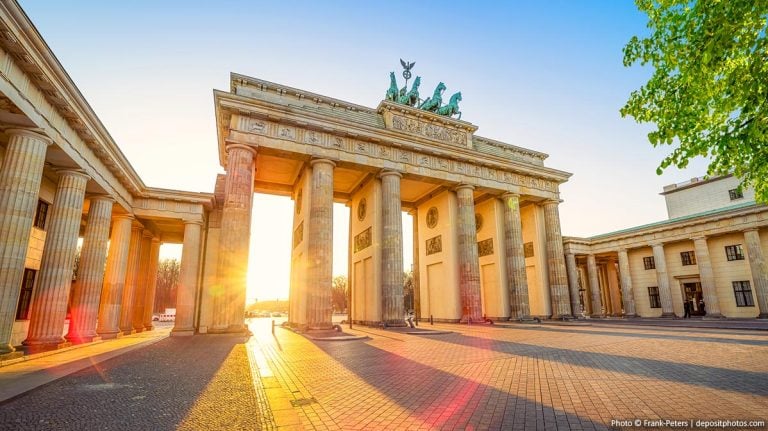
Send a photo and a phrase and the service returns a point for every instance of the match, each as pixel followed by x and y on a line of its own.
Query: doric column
pixel 190 266
pixel 594 287
pixel 515 258
pixel 149 295
pixel 320 246
pixel 111 300
pixel 234 240
pixel 706 277
pixel 759 270
pixel 469 263
pixel 391 250
pixel 131 280
pixel 90 274
pixel 142 280
pixel 662 278
pixel 20 176
pixel 416 288
pixel 627 292
pixel 558 280
pixel 573 281
pixel 50 298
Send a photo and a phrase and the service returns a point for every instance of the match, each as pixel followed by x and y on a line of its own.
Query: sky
pixel 542 75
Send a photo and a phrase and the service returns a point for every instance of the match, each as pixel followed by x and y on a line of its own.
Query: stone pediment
pixel 425 124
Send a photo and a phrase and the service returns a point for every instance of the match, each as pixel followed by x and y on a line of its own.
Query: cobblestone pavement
pixel 549 377
pixel 190 383
pixel 521 377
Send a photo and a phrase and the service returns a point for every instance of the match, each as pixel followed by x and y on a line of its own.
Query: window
pixel 743 294
pixel 734 252
pixel 25 298
pixel 688 258
pixel 653 297
pixel 649 262
pixel 41 215
pixel 735 194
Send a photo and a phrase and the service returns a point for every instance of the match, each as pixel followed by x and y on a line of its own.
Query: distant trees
pixel 167 284
pixel 408 290
pixel 339 293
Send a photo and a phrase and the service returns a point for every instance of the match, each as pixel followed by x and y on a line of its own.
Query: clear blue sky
pixel 542 75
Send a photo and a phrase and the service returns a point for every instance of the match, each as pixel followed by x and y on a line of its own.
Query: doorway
pixel 692 293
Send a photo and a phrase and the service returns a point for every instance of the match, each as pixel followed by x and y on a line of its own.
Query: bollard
pixel 431 321
pixel 273 326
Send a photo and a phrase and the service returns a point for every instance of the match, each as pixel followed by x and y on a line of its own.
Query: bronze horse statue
pixel 411 98
pixel 452 107
pixel 433 103
pixel 392 93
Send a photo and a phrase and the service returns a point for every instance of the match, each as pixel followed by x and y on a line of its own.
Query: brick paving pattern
pixel 547 377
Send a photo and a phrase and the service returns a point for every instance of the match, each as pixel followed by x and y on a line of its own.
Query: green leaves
pixel 708 94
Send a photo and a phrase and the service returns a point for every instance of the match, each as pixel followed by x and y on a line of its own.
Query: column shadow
pixel 438 399
pixel 655 336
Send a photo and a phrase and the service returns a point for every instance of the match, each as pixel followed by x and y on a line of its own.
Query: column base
pixel 596 316
pixel 149 328
pixel 717 316
pixel 182 332
pixel 39 347
pixel 629 316
pixel 762 316
pixel 231 329
pixel 668 315
pixel 394 324
pixel 130 332
pixel 137 330
pixel 110 335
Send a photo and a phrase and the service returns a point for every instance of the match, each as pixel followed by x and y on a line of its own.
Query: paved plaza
pixel 578 376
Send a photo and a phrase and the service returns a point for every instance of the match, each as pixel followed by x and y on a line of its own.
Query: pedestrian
pixel 702 308
pixel 687 308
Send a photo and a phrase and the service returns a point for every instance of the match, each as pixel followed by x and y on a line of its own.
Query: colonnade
pixel 117 274
pixel 663 281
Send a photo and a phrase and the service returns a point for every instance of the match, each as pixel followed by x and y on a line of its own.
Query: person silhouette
pixel 687 308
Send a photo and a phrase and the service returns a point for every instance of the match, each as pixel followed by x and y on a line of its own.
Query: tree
pixel 709 90
pixel 339 293
pixel 167 283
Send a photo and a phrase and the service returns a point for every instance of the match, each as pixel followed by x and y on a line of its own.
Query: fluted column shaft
pixel 149 295
pixel 627 292
pixel 573 282
pixel 90 274
pixel 320 246
pixel 188 280
pixel 594 287
pixel 706 277
pixel 20 177
pixel 131 280
pixel 515 258
pixel 50 298
pixel 392 312
pixel 662 278
pixel 111 300
pixel 234 240
pixel 759 269
pixel 558 280
pixel 469 263
pixel 142 281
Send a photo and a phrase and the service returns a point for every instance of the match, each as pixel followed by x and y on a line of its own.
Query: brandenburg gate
pixel 487 241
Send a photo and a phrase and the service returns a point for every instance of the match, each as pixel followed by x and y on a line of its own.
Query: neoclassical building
pixel 710 252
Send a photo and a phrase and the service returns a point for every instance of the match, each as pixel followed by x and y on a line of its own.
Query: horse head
pixel 456 98
pixel 392 77
pixel 440 88
pixel 416 83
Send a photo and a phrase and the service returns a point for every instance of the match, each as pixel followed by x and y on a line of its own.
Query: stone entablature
pixel 753 216
pixel 400 158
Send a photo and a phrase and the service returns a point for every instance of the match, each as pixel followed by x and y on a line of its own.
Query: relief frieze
pixel 485 247
pixel 434 245
pixel 363 240
pixel 431 131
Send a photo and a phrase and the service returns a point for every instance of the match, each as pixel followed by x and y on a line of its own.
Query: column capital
pixel 197 222
pixel 31 133
pixel 622 250
pixel 464 186
pixel 156 240
pixel 146 233
pixel 550 202
pixel 314 162
pixel 699 238
pixel 232 146
pixel 137 226
pixel 106 198
pixel 751 229
pixel 656 244
pixel 388 172
pixel 72 172
pixel 508 195
pixel 123 217
pixel 412 212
